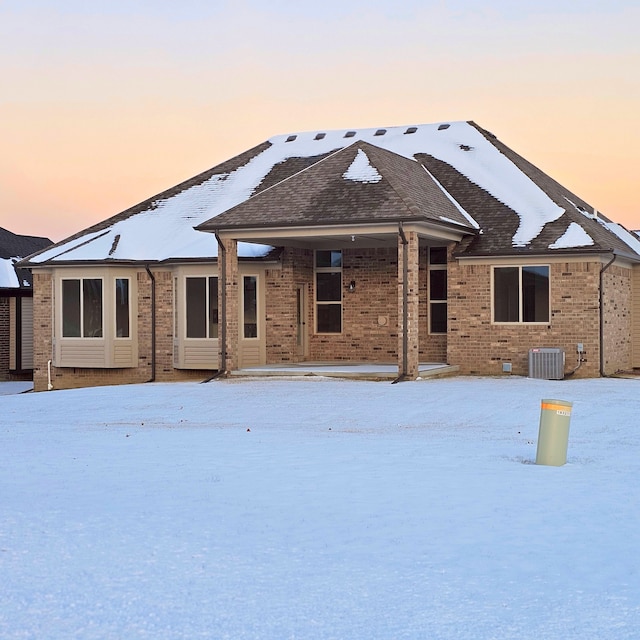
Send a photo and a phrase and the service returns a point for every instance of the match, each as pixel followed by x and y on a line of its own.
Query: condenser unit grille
pixel 546 363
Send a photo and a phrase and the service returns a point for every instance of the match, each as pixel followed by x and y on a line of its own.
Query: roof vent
pixel 291 138
pixel 411 130
pixel 380 132
pixel 349 134
pixel 442 127
pixel 319 136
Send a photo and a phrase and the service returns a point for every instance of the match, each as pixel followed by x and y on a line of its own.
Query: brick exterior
pixel 232 280
pixel 281 304
pixel 479 347
pixel 372 317
pixel 618 319
pixel 4 339
pixel 369 313
pixel 408 343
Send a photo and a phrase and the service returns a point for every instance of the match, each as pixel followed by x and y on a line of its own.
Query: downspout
pixel 601 301
pixel 222 268
pixel 153 324
pixel 405 305
pixel 53 337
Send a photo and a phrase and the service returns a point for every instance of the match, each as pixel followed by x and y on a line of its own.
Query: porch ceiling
pixel 344 236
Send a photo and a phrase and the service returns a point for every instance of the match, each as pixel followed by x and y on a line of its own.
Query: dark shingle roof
pixel 499 222
pixel 397 189
pixel 13 245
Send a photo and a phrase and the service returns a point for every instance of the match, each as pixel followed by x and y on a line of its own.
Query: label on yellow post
pixel 560 409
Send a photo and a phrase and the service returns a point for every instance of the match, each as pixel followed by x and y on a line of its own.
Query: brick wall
pixel 370 313
pixel 408 293
pixel 480 347
pixel 4 339
pixel 42 327
pixel 617 312
pixel 371 318
pixel 281 304
pixel 232 278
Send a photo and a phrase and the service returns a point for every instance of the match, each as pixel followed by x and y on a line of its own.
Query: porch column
pixel 408 304
pixel 228 294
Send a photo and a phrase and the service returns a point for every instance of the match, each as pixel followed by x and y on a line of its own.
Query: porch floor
pixel 361 371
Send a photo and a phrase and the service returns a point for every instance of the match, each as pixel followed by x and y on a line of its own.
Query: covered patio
pixel 362 198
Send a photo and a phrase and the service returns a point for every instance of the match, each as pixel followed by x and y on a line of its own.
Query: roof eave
pixel 519 252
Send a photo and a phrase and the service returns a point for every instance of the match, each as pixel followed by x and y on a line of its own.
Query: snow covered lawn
pixel 319 509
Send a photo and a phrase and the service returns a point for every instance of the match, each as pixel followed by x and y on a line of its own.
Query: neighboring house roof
pixel 14 248
pixel 454 174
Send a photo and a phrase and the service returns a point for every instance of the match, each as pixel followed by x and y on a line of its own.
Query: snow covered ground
pixel 319 509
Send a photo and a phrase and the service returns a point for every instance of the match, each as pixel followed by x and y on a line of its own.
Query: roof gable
pixel 361 183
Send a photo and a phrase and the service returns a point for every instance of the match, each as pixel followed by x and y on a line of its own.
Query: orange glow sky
pixel 103 104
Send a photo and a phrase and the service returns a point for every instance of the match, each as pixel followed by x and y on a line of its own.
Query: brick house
pixel 431 243
pixel 16 305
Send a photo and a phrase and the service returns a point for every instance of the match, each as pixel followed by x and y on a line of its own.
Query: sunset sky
pixel 105 103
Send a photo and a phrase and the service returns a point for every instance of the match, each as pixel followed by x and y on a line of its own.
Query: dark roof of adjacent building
pixel 14 247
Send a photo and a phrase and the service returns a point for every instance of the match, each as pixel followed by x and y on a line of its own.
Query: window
pixel 437 290
pixel 250 306
pixel 82 308
pixel 521 294
pixel 329 291
pixel 122 308
pixel 202 307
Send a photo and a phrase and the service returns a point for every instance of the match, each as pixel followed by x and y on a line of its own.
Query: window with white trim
pixel 122 303
pixel 521 294
pixel 250 306
pixel 328 276
pixel 437 291
pixel 201 306
pixel 82 308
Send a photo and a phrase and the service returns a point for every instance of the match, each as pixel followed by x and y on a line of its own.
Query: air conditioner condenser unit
pixel 546 363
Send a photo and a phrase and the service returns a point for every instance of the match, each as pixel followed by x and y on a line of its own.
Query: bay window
pixel 96 318
pixel 82 308
pixel 202 307
pixel 122 304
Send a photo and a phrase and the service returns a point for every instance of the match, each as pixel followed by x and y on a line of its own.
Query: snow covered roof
pixel 360 184
pixel 8 275
pixel 487 185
